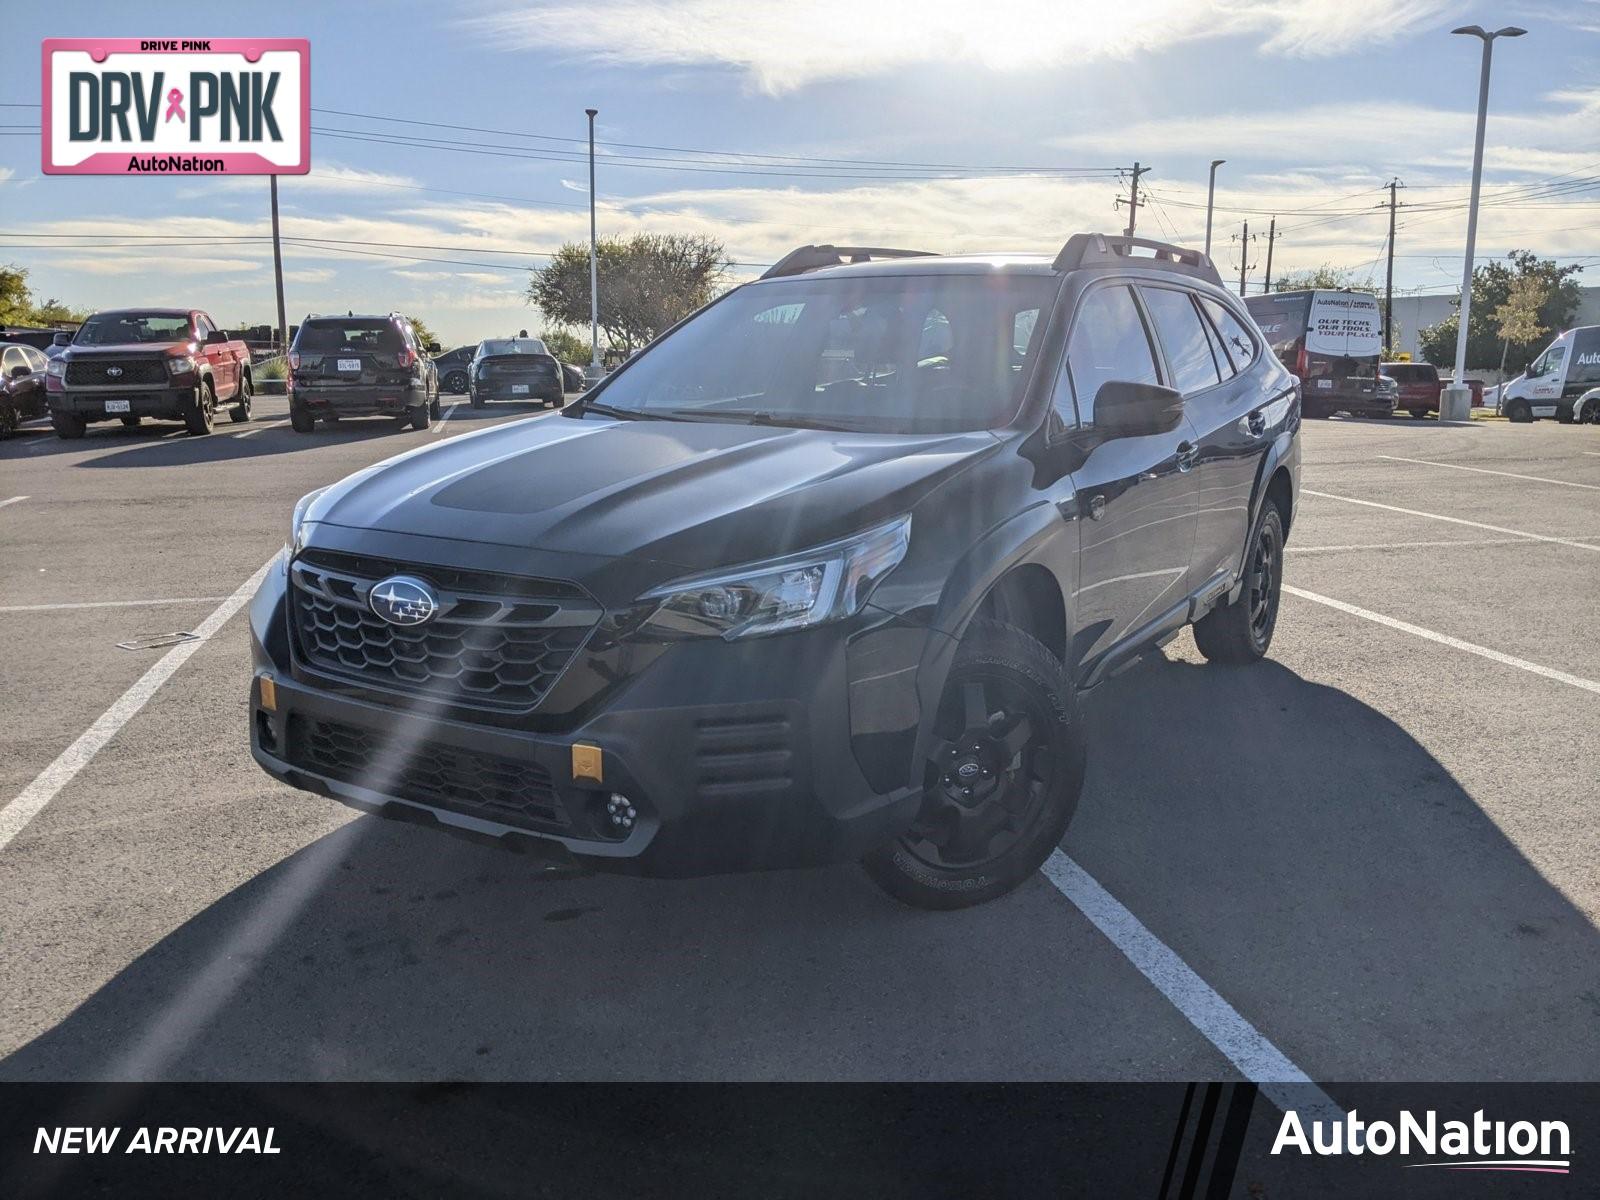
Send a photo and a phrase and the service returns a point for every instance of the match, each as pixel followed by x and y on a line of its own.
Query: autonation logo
pixel 1478 1145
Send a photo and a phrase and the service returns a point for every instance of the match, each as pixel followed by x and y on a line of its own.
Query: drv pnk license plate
pixel 116 406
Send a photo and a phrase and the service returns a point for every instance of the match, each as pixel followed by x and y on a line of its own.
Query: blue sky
pixel 1314 105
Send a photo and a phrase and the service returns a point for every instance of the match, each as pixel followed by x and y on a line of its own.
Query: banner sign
pixel 208 106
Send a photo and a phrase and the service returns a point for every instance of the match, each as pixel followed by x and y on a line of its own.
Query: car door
pixel 1132 497
pixel 1209 348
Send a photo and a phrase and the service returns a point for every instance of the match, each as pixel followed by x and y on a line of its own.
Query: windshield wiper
pixel 608 410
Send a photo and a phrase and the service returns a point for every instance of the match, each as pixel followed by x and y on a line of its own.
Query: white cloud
pixel 781 47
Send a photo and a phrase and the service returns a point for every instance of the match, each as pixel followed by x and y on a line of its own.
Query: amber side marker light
pixel 269 692
pixel 586 763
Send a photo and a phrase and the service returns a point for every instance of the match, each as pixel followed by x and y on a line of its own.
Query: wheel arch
pixel 1028 597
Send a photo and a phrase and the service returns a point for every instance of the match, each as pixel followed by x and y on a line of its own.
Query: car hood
pixel 691 494
pixel 151 348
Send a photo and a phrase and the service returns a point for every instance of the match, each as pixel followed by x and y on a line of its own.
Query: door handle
pixel 1187 452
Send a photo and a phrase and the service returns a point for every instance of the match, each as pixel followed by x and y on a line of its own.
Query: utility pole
pixel 594 266
pixel 1244 255
pixel 1388 278
pixel 1133 203
pixel 277 269
pixel 1272 236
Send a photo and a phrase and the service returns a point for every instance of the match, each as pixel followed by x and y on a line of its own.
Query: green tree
pixel 1517 319
pixel 1491 288
pixel 566 345
pixel 647 282
pixel 1325 276
pixel 18 307
pixel 424 334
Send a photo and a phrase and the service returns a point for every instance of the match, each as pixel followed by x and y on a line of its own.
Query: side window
pixel 1183 338
pixel 38 360
pixel 202 329
pixel 1236 339
pixel 1553 358
pixel 1108 342
pixel 13 358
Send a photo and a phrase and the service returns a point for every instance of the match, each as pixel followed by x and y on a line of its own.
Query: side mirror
pixel 433 347
pixel 216 336
pixel 20 372
pixel 1124 409
pixel 61 339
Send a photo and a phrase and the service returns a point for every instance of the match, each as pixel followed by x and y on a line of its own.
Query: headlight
pixel 794 592
pixel 183 364
pixel 298 521
pixel 56 367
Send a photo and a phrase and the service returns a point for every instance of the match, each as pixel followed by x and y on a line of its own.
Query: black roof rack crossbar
pixel 812 258
pixel 1117 250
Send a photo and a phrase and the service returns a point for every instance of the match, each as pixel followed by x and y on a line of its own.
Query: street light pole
pixel 594 266
pixel 1456 402
pixel 1211 195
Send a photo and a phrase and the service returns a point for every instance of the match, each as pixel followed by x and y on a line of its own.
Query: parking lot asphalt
pixel 1377 850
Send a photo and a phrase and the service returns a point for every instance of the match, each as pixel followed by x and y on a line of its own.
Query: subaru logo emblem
pixel 403 600
pixel 114 372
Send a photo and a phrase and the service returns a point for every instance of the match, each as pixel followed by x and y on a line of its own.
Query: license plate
pixel 349 364
pixel 1325 383
pixel 122 406
pixel 519 389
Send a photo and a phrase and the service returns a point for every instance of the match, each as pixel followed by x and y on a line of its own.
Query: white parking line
pixel 30 802
pixel 1423 462
pixel 1413 512
pixel 258 428
pixel 20 608
pixel 13 500
pixel 1444 639
pixel 1508 541
pixel 1257 1059
pixel 443 417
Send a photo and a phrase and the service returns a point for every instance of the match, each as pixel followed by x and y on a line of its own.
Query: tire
pixel 1008 725
pixel 433 407
pixel 130 422
pixel 420 418
pixel 1241 632
pixel 1419 414
pixel 9 420
pixel 1564 414
pixel 240 412
pixel 202 411
pixel 300 418
pixel 1519 412
pixel 456 383
pixel 477 400
pixel 68 425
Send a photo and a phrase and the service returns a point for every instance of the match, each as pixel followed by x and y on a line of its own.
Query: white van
pixel 1554 382
pixel 1331 341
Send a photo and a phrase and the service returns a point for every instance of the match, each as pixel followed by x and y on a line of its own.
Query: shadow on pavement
pixel 1301 851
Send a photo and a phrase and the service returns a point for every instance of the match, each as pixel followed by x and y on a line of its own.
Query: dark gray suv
pixel 821 574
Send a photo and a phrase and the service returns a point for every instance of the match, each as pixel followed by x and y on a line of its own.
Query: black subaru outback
pixel 820 575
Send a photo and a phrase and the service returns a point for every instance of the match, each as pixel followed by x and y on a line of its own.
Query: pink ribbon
pixel 175 105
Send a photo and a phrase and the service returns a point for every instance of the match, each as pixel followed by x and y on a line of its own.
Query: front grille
pixel 465 781
pixel 740 755
pixel 497 642
pixel 132 370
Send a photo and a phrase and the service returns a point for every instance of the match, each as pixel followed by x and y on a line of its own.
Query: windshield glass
pixel 114 329
pixel 894 354
pixel 328 337
pixel 511 346
pixel 1282 319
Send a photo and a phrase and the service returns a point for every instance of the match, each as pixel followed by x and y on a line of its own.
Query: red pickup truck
pixel 132 363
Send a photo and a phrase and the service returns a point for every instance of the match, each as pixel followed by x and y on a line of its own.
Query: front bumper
pixel 359 401
pixel 1346 397
pixel 170 403
pixel 734 757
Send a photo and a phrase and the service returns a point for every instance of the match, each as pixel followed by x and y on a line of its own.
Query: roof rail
pixel 1116 250
pixel 812 258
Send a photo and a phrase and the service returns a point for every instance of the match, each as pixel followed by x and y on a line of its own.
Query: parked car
pixel 1331 342
pixel 1388 391
pixel 515 369
pixel 453 367
pixel 22 385
pixel 572 377
pixel 1567 368
pixel 1419 386
pixel 823 574
pixel 1586 408
pixel 132 363
pixel 362 366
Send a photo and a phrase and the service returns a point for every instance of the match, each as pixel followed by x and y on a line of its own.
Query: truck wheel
pixel 240 412
pixel 421 417
pixel 300 418
pixel 68 425
pixel 1001 782
pixel 202 412
pixel 130 422
pixel 1241 632
pixel 433 407
pixel 1519 412
pixel 477 400
pixel 1419 414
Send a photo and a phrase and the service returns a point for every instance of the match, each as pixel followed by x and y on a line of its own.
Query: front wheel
pixel 1519 412
pixel 1001 781
pixel 1241 632
pixel 456 383
pixel 68 425
pixel 300 418
pixel 202 411
pixel 240 412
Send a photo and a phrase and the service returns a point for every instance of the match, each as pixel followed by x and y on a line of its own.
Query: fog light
pixel 621 812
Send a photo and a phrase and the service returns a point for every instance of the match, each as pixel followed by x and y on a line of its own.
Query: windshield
pixel 115 329
pixel 897 354
pixel 329 337
pixel 1282 319
pixel 511 346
